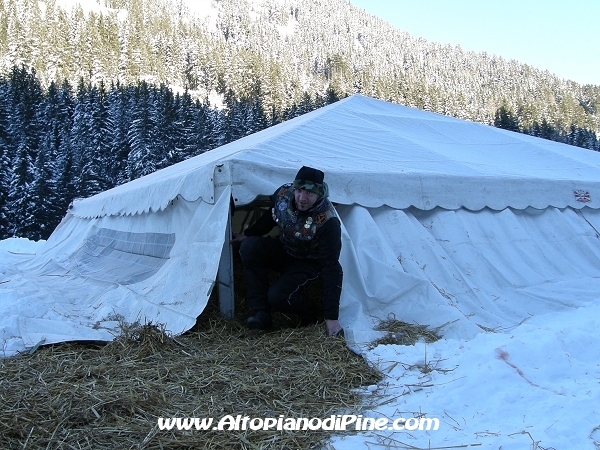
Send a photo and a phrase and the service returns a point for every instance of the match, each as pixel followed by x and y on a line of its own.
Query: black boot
pixel 259 321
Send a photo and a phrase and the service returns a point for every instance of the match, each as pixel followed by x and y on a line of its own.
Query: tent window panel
pixel 122 257
pixel 158 245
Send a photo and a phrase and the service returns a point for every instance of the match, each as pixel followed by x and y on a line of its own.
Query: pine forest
pixel 103 92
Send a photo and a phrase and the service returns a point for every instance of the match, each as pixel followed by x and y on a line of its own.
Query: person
pixel 308 246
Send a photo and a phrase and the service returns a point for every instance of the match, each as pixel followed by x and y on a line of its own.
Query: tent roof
pixel 377 153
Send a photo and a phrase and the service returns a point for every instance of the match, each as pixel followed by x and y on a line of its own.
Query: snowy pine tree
pixel 119 116
pixel 20 206
pixel 95 160
pixel 141 159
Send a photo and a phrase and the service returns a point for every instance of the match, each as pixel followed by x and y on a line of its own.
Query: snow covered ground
pixel 536 386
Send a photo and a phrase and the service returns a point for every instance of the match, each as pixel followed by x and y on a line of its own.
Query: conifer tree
pixel 141 159
pixel 42 200
pixel 188 140
pixel 119 116
pixel 81 135
pixel 257 119
pixel 5 162
pixel 165 134
pixel 22 138
pixel 65 184
pixel 23 98
pixel 54 117
pixel 20 207
pixel 64 172
pixel 506 119
pixel 235 117
pixel 96 163
pixel 208 128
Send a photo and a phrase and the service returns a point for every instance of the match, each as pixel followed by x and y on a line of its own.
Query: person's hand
pixel 237 238
pixel 333 328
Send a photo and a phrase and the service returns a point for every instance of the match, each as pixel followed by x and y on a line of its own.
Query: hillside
pixel 281 50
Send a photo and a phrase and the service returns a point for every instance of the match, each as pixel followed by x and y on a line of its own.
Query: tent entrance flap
pixel 226 293
pixel 237 221
pixel 225 274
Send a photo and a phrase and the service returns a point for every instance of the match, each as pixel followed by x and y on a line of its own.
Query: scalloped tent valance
pixel 377 153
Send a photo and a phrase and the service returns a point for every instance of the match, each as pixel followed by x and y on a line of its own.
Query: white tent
pixel 445 222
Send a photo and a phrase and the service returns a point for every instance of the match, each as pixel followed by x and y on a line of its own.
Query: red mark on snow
pixel 503 355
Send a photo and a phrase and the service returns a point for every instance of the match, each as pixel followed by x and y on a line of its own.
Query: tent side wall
pixel 464 271
pixel 94 273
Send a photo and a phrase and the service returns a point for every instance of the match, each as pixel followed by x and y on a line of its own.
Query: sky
pixel 560 36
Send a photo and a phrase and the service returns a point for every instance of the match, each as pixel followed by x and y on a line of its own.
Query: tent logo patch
pixel 582 196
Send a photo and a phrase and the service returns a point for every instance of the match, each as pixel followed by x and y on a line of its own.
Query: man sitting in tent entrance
pixel 309 245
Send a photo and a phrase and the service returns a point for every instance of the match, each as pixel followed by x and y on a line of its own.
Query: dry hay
pixel 402 333
pixel 109 395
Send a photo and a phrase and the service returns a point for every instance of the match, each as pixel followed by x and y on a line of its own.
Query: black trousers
pixel 286 294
